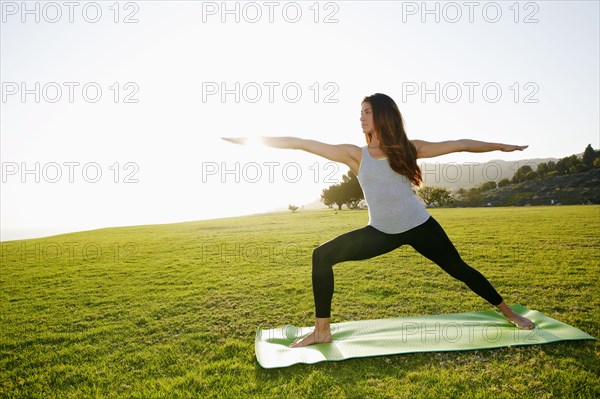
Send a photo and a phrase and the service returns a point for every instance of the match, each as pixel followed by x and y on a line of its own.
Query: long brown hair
pixel 389 128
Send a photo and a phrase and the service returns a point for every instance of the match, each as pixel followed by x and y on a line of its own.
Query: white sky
pixel 177 50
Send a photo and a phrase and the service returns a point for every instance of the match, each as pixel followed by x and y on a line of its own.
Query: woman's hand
pixel 509 148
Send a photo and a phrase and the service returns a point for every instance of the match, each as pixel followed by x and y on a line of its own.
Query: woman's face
pixel 366 118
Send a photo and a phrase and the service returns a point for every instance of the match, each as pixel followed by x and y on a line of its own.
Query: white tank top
pixel 393 208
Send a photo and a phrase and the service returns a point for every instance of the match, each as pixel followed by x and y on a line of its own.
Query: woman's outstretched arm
pixel 347 154
pixel 426 149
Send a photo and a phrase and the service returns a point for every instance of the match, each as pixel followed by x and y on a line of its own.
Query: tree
pixel 504 182
pixel 531 175
pixel 333 195
pixel 347 192
pixel 564 164
pixel 352 190
pixel 588 156
pixel 578 168
pixel 425 193
pixel 353 204
pixel 435 196
pixel 521 174
pixel 489 185
pixel 473 197
pixel 292 208
pixel 542 169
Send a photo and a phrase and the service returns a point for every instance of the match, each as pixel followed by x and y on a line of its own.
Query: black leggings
pixel 429 239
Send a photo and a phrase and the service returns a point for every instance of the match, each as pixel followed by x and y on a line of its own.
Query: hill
pixel 453 176
pixel 580 188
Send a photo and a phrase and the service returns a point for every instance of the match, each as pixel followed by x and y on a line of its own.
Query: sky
pixel 112 113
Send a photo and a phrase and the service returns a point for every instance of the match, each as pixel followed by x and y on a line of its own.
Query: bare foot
pixel 521 322
pixel 315 337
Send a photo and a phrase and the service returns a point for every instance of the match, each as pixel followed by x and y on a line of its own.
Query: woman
pixel 386 167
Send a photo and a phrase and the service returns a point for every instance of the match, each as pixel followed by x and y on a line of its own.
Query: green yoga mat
pixel 437 333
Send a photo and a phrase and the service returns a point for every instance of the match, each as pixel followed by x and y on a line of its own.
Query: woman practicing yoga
pixel 386 167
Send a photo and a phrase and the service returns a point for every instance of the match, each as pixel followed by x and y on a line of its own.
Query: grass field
pixel 170 311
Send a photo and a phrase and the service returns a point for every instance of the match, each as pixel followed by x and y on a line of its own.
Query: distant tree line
pixel 564 166
pixel 436 196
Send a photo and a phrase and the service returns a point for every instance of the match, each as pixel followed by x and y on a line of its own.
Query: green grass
pixel 171 310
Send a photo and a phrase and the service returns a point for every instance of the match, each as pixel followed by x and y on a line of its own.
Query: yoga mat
pixel 435 333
